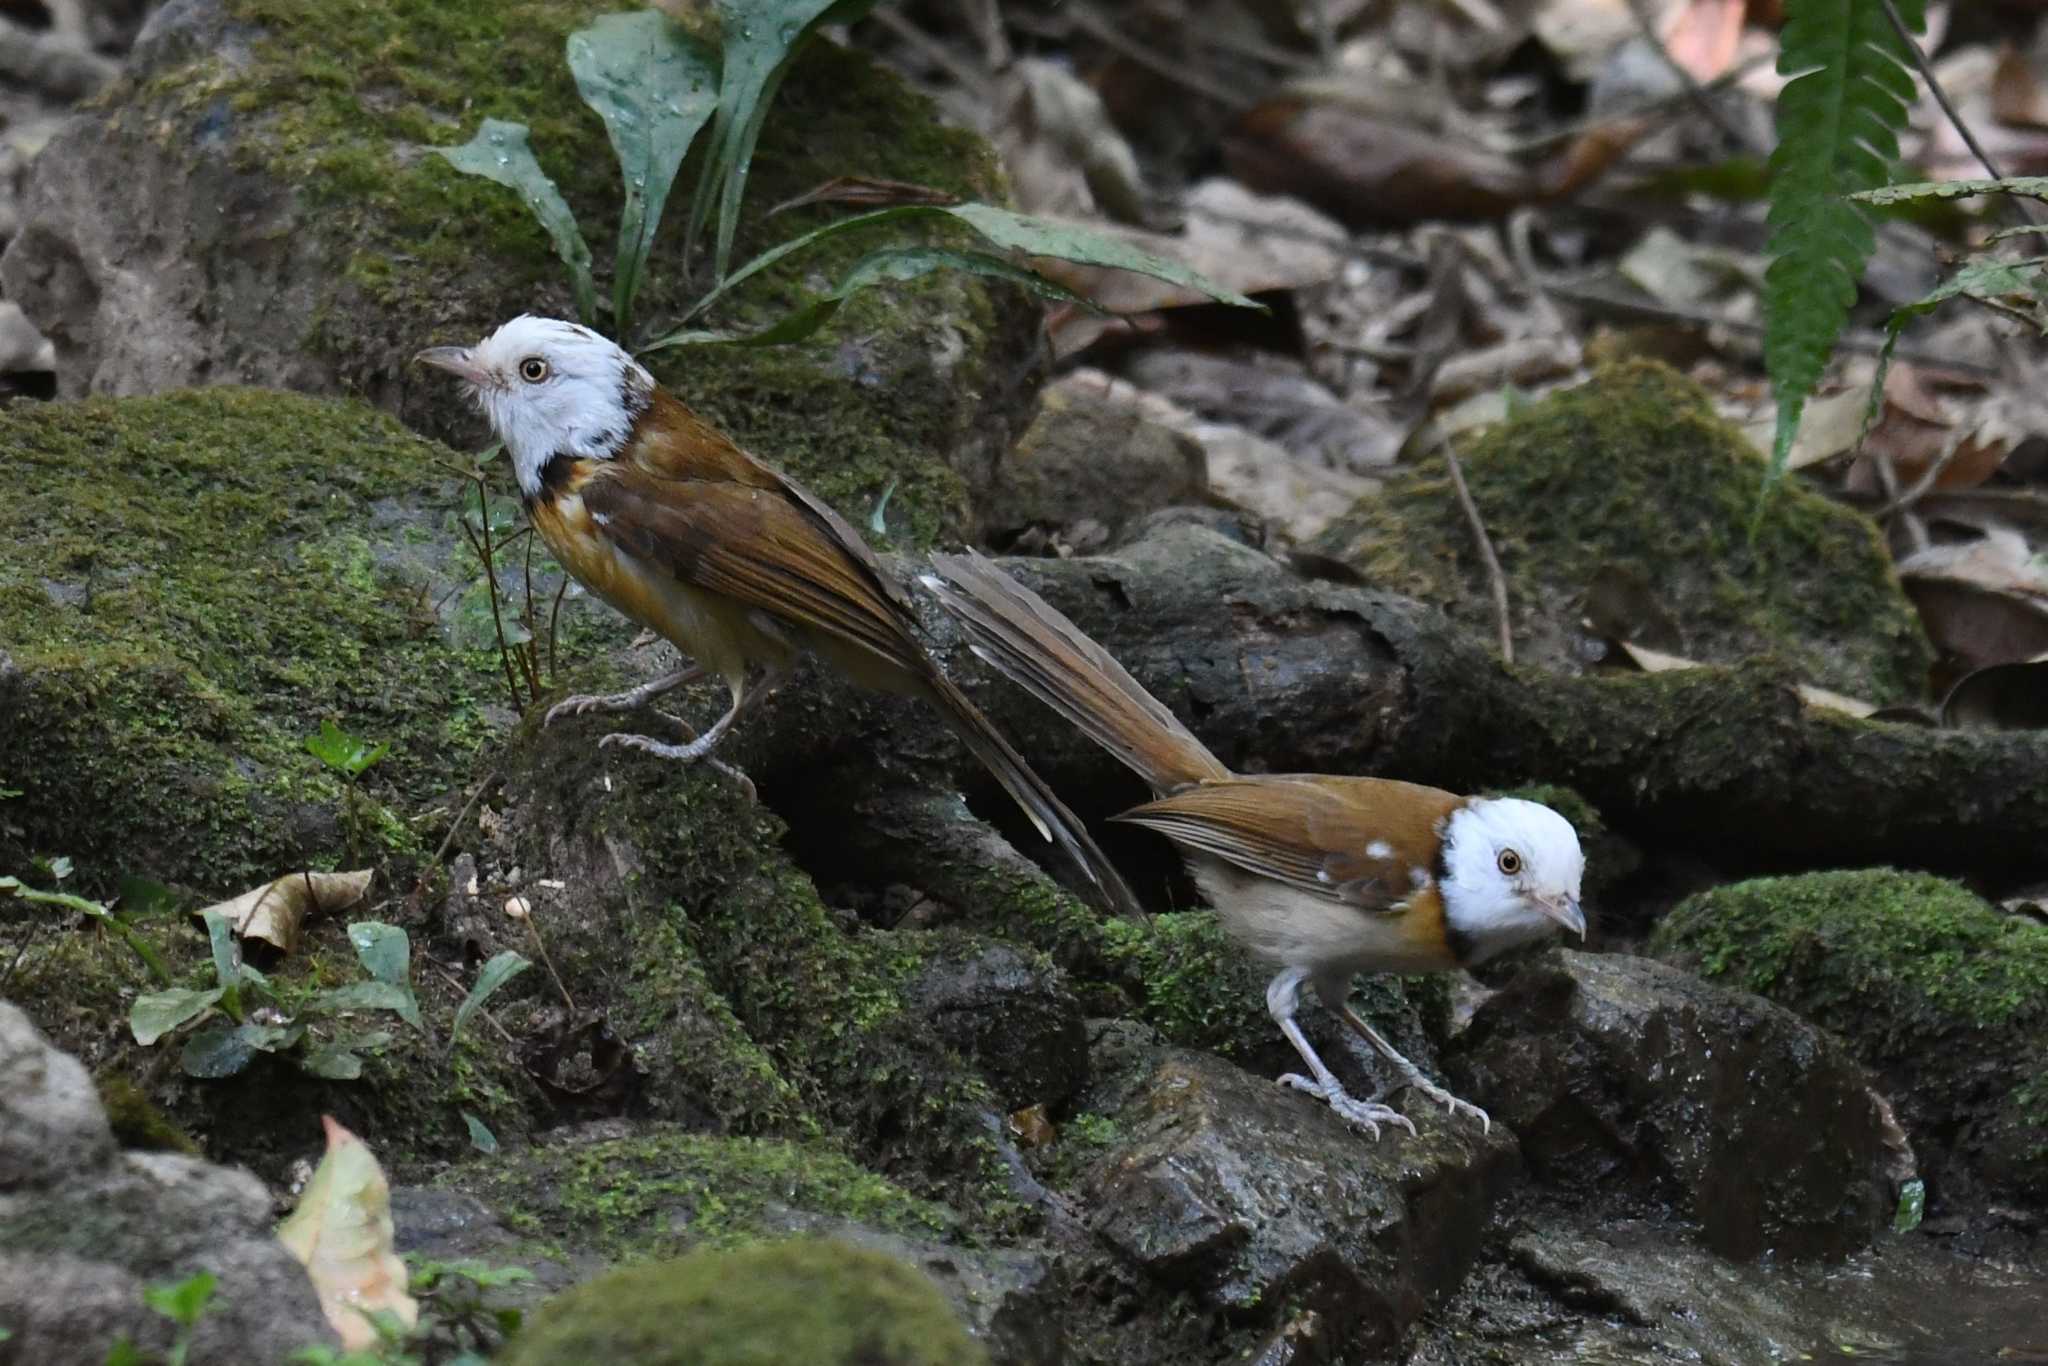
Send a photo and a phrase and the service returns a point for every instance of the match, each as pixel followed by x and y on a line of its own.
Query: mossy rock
pixel 1938 991
pixel 1629 498
pixel 349 245
pixel 815 1301
pixel 661 1191
pixel 190 585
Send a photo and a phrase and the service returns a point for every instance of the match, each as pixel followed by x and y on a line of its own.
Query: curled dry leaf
pixel 1656 661
pixel 342 1234
pixel 2000 697
pixel 1984 601
pixel 276 911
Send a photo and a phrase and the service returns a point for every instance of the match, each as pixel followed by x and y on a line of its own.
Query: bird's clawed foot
pixel 1451 1102
pixel 696 751
pixel 622 701
pixel 1364 1114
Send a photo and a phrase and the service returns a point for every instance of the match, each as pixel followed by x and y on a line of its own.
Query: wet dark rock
pixel 1224 1186
pixel 1011 1014
pixel 86 1228
pixel 1621 1072
pixel 1939 991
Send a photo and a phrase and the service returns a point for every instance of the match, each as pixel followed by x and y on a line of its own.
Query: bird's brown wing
pixel 673 442
pixel 758 547
pixel 1368 842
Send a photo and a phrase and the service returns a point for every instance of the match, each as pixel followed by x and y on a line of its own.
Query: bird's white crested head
pixel 550 388
pixel 1512 870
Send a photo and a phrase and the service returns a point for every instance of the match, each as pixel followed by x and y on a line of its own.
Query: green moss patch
pixel 819 1302
pixel 1633 479
pixel 1940 992
pixel 189 586
pixel 342 104
pixel 664 1191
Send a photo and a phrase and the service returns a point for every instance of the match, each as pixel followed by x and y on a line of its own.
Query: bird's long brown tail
pixel 1030 792
pixel 1029 640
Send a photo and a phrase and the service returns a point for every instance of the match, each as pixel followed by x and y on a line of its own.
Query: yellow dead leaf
pixel 342 1234
pixel 275 911
pixel 1656 661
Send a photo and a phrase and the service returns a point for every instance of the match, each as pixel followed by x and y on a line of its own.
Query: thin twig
pixel 1912 44
pixel 484 553
pixel 1106 33
pixel 448 841
pixel 1924 485
pixel 456 982
pixel 542 945
pixel 35 925
pixel 1695 90
pixel 554 612
pixel 1496 581
pixel 931 49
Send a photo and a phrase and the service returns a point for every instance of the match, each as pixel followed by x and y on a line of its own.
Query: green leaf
pixel 1012 231
pixel 126 1353
pixel 385 951
pixel 480 1136
pixel 185 1301
pixel 500 152
pixel 333 1062
pixel 888 264
pixel 2027 186
pixel 396 997
pixel 502 968
pixel 269 1038
pixel 220 1051
pixel 220 938
pixel 157 1013
pixel 758 39
pixel 1982 278
pixel 343 752
pixel 1838 124
pixel 141 897
pixel 654 85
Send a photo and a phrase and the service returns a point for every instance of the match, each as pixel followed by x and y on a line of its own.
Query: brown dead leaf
pixel 1031 1128
pixel 2000 697
pixel 2017 96
pixel 1984 601
pixel 1656 661
pixel 1251 243
pixel 1371 169
pixel 276 911
pixel 342 1234
pixel 1063 152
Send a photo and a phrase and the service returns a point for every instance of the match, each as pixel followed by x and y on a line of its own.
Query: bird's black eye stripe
pixel 533 369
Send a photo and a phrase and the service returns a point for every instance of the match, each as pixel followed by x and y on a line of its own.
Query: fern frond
pixel 1838 124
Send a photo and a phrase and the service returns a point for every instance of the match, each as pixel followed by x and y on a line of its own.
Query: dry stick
pixel 931 49
pixel 554 612
pixel 1496 581
pixel 541 944
pixel 483 551
pixel 456 982
pixel 2017 203
pixel 1695 91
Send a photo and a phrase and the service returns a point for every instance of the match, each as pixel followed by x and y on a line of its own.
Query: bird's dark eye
pixel 533 369
pixel 1510 862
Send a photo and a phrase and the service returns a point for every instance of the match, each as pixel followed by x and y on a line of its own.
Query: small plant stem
pixel 554 613
pixel 1496 581
pixel 1912 45
pixel 483 553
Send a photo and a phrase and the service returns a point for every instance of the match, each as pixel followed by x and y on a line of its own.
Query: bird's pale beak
pixel 456 361
pixel 1565 911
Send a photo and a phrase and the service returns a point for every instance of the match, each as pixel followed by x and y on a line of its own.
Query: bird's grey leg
pixel 1283 999
pixel 1411 1075
pixel 627 700
pixel 744 699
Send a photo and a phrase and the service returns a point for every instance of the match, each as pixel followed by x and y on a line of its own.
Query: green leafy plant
pixel 350 757
pixel 116 923
pixel 184 1303
pixel 458 1323
pixel 1838 124
pixel 656 86
pixel 497 530
pixel 255 1021
pixel 502 967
